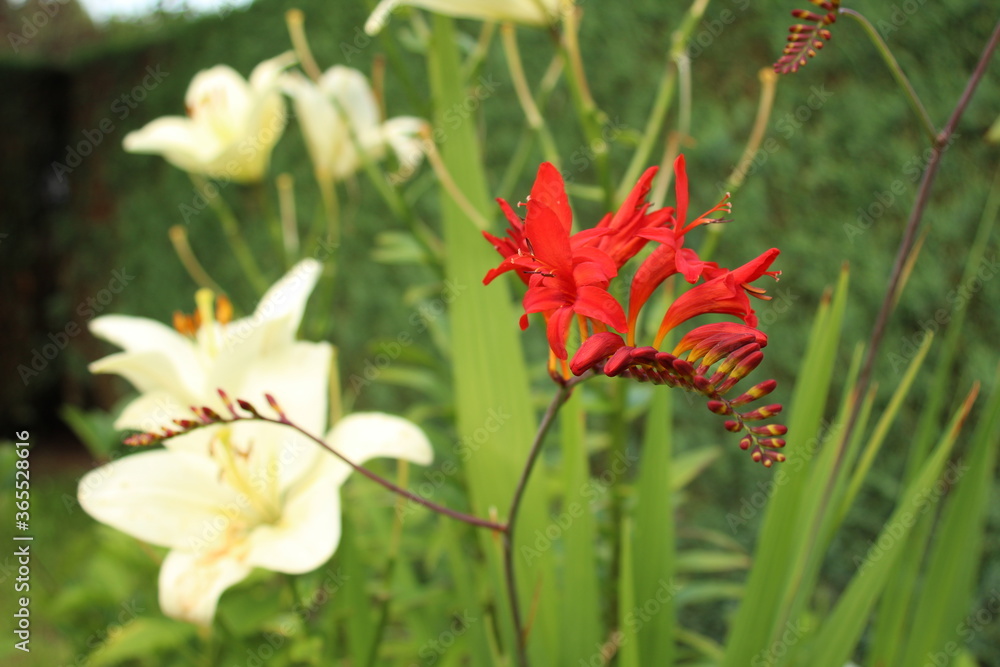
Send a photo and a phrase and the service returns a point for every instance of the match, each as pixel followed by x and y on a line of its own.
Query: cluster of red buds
pixel 733 350
pixel 805 39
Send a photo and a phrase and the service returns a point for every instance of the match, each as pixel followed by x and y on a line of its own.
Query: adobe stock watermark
pixel 899 16
pixel 160 414
pixel 59 340
pixel 433 649
pixel 884 200
pixel 585 154
pixel 453 118
pixel 635 619
pixel 958 297
pixel 246 150
pixel 788 125
pixel 793 121
pixel 590 491
pixel 464 448
pixel 31 24
pixel 259 656
pixel 792 635
pixel 419 321
pixel 971 625
pixel 752 505
pixel 922 502
pixel 130 611
pixel 712 29
pixel 121 108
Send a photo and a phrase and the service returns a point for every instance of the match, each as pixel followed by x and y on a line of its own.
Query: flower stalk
pixel 897 72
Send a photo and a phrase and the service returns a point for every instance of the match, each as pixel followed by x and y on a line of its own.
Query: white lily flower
pixel 231 127
pixel 339 114
pixel 531 12
pixel 246 358
pixel 224 513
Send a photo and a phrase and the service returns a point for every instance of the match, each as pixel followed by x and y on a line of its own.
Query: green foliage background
pixel 841 132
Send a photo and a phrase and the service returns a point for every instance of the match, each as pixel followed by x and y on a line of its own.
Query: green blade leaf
pixel 839 634
pixel 654 549
pixel 496 423
pixel 779 541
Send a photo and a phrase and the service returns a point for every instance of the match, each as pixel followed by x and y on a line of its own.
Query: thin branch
pixel 208 417
pixel 558 400
pixel 906 244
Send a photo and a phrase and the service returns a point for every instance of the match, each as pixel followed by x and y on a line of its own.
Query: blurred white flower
pixel 231 125
pixel 339 114
pixel 225 512
pixel 532 12
pixel 246 358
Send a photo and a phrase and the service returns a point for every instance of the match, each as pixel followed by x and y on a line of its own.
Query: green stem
pixel 536 121
pixel 210 419
pixel 617 434
pixel 591 118
pixel 941 142
pixel 515 166
pixel 331 208
pixel 231 228
pixel 508 534
pixel 654 122
pixel 664 97
pixel 390 570
pixel 897 73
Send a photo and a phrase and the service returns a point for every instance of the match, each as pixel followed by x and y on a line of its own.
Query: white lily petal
pixel 138 334
pixel 161 497
pixel 220 99
pixel 191 585
pixel 149 371
pixel 152 410
pixel 324 130
pixel 532 12
pixel 279 313
pixel 298 376
pixel 277 457
pixel 266 75
pixel 183 143
pixel 231 128
pixel 352 95
pixel 403 134
pixel 309 530
pixel 366 435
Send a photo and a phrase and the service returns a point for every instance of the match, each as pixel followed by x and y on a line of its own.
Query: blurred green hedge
pixel 839 140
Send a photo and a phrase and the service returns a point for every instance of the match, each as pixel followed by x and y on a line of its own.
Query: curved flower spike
pixel 231 126
pixel 222 515
pixel 246 357
pixel 806 39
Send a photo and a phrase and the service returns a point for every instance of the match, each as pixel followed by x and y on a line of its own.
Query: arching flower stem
pixel 897 72
pixel 207 417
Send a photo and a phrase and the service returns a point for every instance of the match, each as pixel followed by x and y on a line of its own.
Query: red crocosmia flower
pixel 622 240
pixel 726 293
pixel 508 247
pixel 672 257
pixel 566 275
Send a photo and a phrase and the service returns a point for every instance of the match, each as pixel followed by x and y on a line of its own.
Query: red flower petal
pixel 651 273
pixel 550 191
pixel 595 349
pixel 597 304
